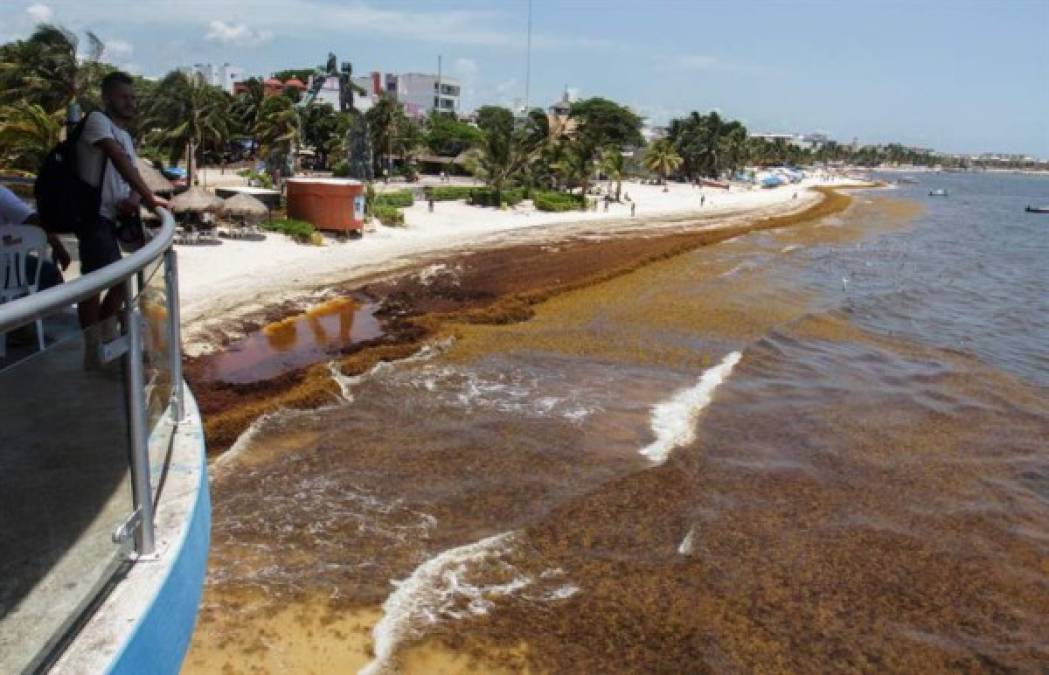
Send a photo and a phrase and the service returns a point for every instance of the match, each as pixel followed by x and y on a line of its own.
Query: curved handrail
pixel 39 305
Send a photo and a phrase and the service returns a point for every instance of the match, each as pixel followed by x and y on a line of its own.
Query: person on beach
pixel 429 204
pixel 702 200
pixel 13 211
pixel 633 209
pixel 106 160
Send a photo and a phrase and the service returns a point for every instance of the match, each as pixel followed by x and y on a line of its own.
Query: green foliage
pixel 185 111
pixel 278 130
pixel 27 134
pixel 398 198
pixel 447 136
pixel 261 179
pixel 603 123
pixel 51 69
pixel 496 198
pixel 508 148
pixel 320 124
pixel 448 193
pixel 388 215
pixel 558 201
pixel 341 170
pixel 662 158
pixel 708 145
pixel 301 74
pixel 392 133
pixel 298 230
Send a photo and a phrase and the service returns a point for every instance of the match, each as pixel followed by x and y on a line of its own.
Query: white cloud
pixel 476 25
pixel 40 13
pixel 116 49
pixel 466 68
pixel 238 34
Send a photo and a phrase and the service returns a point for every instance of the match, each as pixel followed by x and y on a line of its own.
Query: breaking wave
pixel 674 421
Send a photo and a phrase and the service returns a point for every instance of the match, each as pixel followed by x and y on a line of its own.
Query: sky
pixel 954 75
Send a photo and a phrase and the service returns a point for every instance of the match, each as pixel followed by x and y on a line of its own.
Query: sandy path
pixel 222 283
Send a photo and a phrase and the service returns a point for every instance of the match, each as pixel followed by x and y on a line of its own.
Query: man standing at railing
pixel 106 160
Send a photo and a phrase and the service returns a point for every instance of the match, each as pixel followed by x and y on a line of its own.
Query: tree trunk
pixel 190 154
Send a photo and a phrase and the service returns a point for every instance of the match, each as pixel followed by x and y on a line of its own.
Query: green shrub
pixel 341 169
pixel 388 215
pixel 487 197
pixel 261 179
pixel 298 230
pixel 398 198
pixel 558 201
pixel 448 193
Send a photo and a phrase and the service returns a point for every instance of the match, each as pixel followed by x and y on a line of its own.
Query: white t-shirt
pixel 90 156
pixel 13 211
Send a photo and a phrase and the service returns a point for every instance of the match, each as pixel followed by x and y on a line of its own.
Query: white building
pixel 227 75
pixel 420 93
pixel 222 76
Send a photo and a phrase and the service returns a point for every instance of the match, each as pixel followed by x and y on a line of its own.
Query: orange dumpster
pixel 327 203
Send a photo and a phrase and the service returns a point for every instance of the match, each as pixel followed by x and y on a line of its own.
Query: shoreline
pixel 239 282
pixel 495 285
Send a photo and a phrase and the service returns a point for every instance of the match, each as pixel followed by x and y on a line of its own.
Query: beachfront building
pixel 561 124
pixel 420 93
pixel 811 141
pixel 224 77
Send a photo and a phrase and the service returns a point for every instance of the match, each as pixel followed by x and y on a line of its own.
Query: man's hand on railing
pixel 156 202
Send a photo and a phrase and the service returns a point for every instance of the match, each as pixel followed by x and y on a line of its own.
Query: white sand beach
pixel 224 282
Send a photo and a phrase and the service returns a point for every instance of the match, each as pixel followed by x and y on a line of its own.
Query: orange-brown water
pixel 295 342
pixel 857 492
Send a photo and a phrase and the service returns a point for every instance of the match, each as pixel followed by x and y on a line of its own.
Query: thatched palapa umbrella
pixel 195 200
pixel 193 203
pixel 245 208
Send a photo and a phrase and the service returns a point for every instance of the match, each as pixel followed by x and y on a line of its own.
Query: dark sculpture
pixel 358 138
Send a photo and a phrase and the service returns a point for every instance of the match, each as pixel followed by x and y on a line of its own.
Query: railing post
pixel 136 391
pixel 174 334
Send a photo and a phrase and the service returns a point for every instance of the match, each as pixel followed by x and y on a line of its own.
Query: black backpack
pixel 65 203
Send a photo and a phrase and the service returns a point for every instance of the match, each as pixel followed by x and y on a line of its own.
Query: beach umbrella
pixel 154 180
pixel 196 200
pixel 243 205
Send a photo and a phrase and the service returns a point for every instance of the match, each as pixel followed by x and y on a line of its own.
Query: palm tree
pixel 733 146
pixel 27 134
pixel 186 114
pixel 613 165
pixel 247 106
pixel 576 164
pixel 507 147
pixel 278 129
pixel 383 122
pixel 662 158
pixel 48 71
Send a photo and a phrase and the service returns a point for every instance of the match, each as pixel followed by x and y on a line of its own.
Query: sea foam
pixel 432 591
pixel 674 420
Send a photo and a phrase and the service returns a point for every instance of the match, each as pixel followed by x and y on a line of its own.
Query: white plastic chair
pixel 17 243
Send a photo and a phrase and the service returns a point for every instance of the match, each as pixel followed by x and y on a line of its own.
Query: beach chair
pixel 17 244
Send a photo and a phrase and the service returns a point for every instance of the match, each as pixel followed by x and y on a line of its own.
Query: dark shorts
pixel 98 245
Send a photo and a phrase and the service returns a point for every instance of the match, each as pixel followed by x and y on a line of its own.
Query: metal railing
pixel 151 414
pixel 129 272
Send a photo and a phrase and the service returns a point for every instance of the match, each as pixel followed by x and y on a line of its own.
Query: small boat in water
pixel 1037 209
pixel 938 193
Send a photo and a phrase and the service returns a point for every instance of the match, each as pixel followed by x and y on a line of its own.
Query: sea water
pixel 814 448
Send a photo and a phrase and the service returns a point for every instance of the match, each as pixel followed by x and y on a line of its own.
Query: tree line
pixel 183 118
